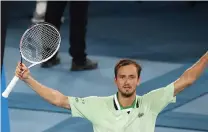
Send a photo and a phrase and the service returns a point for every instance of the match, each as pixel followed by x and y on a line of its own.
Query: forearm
pixel 194 72
pixel 191 74
pixel 47 93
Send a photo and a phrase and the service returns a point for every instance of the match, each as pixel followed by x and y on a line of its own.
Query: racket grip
pixel 9 88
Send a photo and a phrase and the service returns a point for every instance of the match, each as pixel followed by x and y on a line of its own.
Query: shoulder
pixel 165 93
pixel 105 99
pixel 160 91
pixel 90 99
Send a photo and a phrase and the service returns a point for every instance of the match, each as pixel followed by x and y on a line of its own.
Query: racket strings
pixel 39 43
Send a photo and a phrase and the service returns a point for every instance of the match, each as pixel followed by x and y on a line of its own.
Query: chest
pixel 138 120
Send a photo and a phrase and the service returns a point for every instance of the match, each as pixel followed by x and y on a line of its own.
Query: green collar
pixel 133 105
pixel 119 107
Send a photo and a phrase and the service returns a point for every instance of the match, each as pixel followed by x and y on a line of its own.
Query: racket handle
pixel 9 88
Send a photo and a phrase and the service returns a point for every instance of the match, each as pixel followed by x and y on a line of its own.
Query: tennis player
pixel 125 111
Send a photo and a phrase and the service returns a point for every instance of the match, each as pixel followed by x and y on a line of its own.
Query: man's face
pixel 127 80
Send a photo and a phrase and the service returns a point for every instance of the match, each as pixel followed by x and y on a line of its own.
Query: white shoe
pixel 41 18
pixel 38 18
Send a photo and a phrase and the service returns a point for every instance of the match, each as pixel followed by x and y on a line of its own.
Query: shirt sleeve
pixel 158 99
pixel 84 107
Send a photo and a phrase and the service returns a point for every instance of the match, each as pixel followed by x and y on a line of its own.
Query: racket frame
pixel 13 82
pixel 33 62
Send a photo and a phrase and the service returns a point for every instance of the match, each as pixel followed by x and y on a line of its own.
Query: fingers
pixel 21 65
pixel 20 70
pixel 18 74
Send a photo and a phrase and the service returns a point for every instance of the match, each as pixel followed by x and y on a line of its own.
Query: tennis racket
pixel 38 44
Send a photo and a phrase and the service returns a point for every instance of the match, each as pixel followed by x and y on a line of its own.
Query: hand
pixel 22 72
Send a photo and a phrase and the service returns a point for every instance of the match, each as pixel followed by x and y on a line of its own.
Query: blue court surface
pixel 166 38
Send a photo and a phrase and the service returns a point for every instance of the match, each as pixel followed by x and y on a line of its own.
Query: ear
pixel 138 82
pixel 115 79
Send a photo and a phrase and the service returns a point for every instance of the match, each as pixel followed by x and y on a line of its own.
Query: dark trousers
pixel 78 21
pixel 4 12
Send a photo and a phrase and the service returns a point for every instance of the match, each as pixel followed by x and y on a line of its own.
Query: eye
pixel 122 76
pixel 132 77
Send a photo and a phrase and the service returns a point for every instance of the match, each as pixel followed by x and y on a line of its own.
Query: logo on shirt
pixel 77 100
pixel 140 115
pixel 83 101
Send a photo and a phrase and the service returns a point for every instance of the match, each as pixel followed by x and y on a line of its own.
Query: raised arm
pixel 52 96
pixel 191 74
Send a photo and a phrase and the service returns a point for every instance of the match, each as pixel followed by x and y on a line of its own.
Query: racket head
pixel 40 43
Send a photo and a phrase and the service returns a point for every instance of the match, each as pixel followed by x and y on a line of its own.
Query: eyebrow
pixel 125 75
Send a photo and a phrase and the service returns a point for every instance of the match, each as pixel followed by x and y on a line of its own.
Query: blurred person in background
pixel 78 17
pixel 39 13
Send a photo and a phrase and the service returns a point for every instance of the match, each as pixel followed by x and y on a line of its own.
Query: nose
pixel 127 81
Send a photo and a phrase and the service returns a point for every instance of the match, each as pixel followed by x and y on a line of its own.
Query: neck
pixel 126 101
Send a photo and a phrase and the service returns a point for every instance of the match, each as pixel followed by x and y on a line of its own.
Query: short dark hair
pixel 125 62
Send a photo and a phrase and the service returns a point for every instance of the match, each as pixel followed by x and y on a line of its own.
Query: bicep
pixel 66 102
pixel 61 100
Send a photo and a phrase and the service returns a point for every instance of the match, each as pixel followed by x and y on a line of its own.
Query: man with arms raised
pixel 125 111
